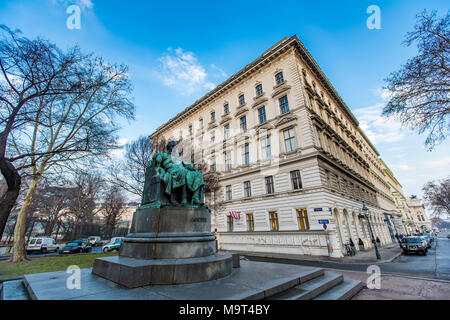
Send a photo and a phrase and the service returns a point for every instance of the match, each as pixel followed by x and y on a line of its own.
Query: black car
pixel 414 244
pixel 76 247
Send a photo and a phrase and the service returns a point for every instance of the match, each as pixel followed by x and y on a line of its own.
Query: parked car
pixel 95 240
pixel 414 244
pixel 42 245
pixel 113 239
pixel 112 246
pixel 76 247
pixel 428 239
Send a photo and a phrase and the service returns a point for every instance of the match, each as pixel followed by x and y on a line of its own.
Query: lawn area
pixel 49 263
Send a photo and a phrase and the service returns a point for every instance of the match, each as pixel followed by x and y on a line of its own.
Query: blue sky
pixel 179 50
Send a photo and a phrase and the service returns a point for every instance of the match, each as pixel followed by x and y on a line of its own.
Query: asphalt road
pixel 36 255
pixel 435 265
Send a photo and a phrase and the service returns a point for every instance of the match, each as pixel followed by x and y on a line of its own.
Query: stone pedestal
pixel 170 245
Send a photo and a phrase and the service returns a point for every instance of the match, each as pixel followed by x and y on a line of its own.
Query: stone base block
pixel 132 273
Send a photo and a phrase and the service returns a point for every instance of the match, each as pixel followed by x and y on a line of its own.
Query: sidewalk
pixel 388 254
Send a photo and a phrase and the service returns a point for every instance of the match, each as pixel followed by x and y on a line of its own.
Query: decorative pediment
pixel 212 125
pixel 241 111
pixel 259 101
pixel 225 119
pixel 285 119
pixel 244 137
pixel 280 90
pixel 264 128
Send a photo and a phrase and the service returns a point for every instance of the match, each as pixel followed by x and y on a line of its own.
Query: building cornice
pixel 279 48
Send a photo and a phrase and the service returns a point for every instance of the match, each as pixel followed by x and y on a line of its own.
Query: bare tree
pixel 437 197
pixel 129 174
pixel 50 203
pixel 30 71
pixel 112 209
pixel 71 127
pixel 81 205
pixel 420 90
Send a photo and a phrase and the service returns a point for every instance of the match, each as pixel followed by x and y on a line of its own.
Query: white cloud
pixel 220 73
pixel 384 94
pixel 182 71
pixel 402 167
pixel 442 162
pixel 378 128
pixel 83 4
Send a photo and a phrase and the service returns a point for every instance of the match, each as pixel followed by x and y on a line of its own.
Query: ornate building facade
pixel 289 158
pixel 419 217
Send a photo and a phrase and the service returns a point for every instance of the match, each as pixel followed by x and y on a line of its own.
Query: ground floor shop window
pixel 229 223
pixel 250 222
pixel 302 218
pixel 273 221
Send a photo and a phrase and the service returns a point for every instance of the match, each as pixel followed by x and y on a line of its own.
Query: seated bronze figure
pixel 169 181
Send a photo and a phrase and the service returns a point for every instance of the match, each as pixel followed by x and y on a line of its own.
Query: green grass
pixel 49 263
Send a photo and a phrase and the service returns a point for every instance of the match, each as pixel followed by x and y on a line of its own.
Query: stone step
pixel 343 291
pixel 14 290
pixel 310 289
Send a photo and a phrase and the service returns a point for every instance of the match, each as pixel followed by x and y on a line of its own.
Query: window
pixel 279 78
pixel 228 165
pixel 296 179
pixel 200 143
pixel 284 105
pixel 273 221
pixel 229 223
pixel 247 189
pixel 200 123
pixel 262 114
pixel 259 90
pixel 241 100
pixel 227 131
pixel 327 174
pixel 269 185
pixel 213 116
pixel 190 129
pixel 302 219
pixel 226 109
pixel 213 164
pixel 265 147
pixel 289 140
pixel 250 222
pixel 243 121
pixel 229 192
pixel 213 137
pixel 245 155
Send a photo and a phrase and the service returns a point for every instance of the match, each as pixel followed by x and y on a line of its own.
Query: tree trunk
pixel 57 231
pixel 7 201
pixel 19 230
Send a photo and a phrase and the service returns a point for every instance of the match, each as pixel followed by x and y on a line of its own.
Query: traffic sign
pixel 324 221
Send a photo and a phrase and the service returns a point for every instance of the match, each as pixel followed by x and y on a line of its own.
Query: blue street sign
pixel 317 209
pixel 324 221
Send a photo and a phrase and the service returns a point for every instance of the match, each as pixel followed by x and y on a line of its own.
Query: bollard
pixel 236 260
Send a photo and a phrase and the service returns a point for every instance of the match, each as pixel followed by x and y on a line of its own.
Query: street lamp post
pixel 365 215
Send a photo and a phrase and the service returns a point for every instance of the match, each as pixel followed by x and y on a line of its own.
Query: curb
pixel 339 261
pixel 11 279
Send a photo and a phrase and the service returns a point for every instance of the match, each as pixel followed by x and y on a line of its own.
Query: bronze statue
pixel 169 181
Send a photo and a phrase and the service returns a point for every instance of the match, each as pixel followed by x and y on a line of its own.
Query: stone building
pixel 419 217
pixel 400 216
pixel 289 156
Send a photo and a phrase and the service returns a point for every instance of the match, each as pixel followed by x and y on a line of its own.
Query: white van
pixel 42 245
pixel 95 240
